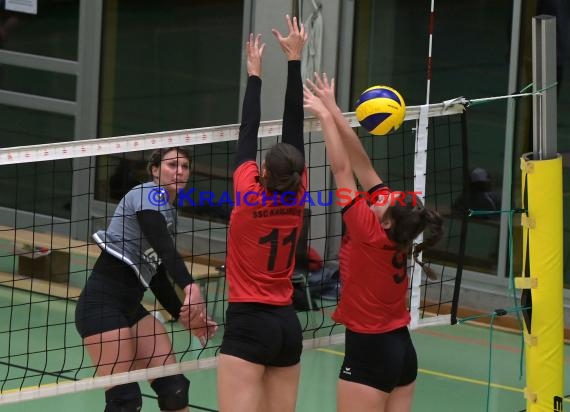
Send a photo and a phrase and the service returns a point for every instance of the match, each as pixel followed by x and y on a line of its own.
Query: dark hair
pixel 284 165
pixel 157 156
pixel 409 219
pixel 480 180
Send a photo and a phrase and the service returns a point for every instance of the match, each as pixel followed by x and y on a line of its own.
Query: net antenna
pixel 420 165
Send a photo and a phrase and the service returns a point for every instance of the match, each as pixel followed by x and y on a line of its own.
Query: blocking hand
pixel 324 90
pixel 293 44
pixel 254 52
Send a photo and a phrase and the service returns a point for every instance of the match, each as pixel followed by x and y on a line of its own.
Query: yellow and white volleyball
pixel 380 110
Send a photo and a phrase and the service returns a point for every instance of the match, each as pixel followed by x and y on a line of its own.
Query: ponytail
pixel 434 228
pixel 284 165
pixel 409 220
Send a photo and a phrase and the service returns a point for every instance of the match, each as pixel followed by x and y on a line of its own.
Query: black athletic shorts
pixel 264 334
pixel 382 361
pixel 111 298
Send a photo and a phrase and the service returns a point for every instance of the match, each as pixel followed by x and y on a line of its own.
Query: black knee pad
pixel 172 392
pixel 123 398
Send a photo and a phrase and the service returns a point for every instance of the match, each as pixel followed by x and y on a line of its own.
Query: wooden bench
pixel 202 273
pixel 60 290
pixel 48 240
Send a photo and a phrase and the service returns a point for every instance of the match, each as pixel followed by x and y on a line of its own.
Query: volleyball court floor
pixel 453 376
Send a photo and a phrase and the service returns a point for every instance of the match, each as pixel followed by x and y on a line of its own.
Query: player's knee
pixel 123 398
pixel 172 392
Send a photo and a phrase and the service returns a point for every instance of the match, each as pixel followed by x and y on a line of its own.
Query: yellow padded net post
pixel 543 279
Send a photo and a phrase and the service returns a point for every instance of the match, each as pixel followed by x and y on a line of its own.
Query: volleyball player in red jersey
pixel 380 364
pixel 258 365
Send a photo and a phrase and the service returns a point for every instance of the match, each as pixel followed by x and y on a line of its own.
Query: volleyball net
pixel 57 195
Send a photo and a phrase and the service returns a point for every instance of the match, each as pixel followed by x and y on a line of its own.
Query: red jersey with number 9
pixel 262 239
pixel 373 274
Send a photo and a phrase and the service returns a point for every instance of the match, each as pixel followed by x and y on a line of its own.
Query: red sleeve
pixel 246 177
pixel 379 190
pixel 362 224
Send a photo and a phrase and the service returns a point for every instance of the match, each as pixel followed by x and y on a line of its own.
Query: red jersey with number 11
pixel 262 240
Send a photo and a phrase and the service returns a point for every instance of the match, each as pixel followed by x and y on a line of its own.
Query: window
pixel 170 65
pixel 470 58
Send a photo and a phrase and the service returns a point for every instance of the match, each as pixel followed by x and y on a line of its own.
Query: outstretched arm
pixel 164 292
pixel 359 159
pixel 251 108
pixel 193 311
pixel 293 114
pixel 340 164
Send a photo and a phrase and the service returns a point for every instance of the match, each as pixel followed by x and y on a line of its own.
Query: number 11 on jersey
pixel 289 244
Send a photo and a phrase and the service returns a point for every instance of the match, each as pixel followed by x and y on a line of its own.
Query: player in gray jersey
pixel 137 250
pixel 124 238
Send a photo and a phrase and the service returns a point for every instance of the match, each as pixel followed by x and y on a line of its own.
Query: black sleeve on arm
pixel 164 291
pixel 250 118
pixel 293 115
pixel 153 227
pixel 377 187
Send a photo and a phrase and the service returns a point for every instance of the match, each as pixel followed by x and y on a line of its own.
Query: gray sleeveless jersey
pixel 123 238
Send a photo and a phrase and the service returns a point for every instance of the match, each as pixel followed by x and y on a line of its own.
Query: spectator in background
pixel 479 195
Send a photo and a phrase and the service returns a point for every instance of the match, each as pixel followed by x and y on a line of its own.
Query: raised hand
pixel 324 90
pixel 293 44
pixel 254 52
pixel 313 103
